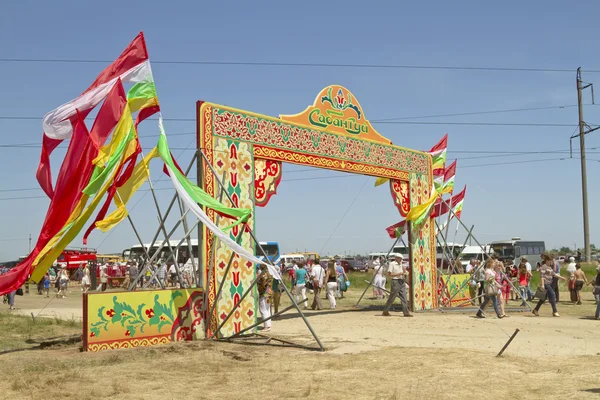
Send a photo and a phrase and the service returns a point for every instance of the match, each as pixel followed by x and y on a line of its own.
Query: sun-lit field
pixel 434 355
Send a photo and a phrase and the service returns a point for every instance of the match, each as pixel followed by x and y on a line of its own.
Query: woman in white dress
pixel 377 280
pixel 85 280
pixel 384 266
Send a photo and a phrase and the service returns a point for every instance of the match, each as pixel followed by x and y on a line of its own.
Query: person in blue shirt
pixel 300 287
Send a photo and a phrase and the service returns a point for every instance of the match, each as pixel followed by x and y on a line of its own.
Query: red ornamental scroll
pixel 401 196
pixel 267 175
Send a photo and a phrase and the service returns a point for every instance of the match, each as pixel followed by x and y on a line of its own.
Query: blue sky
pixel 539 201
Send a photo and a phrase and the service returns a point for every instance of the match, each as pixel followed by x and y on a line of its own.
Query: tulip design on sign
pixel 337 110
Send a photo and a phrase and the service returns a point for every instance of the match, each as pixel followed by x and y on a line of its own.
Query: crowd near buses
pixel 180 259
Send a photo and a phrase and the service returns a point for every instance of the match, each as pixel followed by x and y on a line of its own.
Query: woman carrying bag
pixel 545 290
pixel 491 289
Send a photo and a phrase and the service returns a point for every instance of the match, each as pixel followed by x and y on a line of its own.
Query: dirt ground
pixel 433 355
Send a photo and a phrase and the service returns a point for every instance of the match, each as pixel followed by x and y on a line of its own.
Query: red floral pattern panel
pixel 267 175
pixel 401 196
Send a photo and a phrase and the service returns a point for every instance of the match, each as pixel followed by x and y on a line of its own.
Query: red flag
pixel 441 145
pixel 440 208
pixel 69 188
pixel 133 55
pixel 396 230
pixel 450 171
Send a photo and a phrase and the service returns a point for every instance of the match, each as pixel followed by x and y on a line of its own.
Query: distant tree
pixel 565 250
pixel 593 247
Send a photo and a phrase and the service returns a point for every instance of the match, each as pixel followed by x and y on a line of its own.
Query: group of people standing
pixel 498 281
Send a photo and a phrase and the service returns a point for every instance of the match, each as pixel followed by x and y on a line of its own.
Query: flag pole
pixel 375 274
pixel 484 252
pixel 159 229
pixel 264 254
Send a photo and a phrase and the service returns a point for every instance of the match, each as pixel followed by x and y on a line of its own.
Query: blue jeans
pixel 550 295
pixel 494 300
pixel 11 298
pixel 524 292
pixel 530 292
pixel 598 311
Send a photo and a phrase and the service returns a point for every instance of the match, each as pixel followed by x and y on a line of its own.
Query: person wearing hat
pixel 397 273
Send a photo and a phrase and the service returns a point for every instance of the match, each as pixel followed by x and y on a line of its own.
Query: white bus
pixel 136 252
pixel 289 259
pixel 454 248
pixel 516 248
pixel 474 253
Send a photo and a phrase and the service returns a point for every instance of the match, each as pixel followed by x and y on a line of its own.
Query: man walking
pixel 396 272
pixel 318 274
pixel 162 275
pixel 556 268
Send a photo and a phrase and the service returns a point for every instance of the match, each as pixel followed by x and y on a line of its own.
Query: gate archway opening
pixel 247 150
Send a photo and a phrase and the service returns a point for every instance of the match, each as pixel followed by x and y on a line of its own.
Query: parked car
pixel 355 265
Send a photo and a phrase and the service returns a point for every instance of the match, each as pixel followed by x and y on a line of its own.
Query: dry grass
pixel 16 330
pixel 205 370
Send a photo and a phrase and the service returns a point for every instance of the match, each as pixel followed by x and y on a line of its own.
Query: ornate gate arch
pixel 333 133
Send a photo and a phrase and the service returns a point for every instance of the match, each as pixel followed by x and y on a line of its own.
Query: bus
pixel 516 248
pixel 454 248
pixel 474 253
pixel 442 259
pixel 136 252
pixel 73 257
pixel 311 255
pixel 272 250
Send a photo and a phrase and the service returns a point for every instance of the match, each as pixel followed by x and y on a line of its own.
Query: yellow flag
pixel 138 178
pixel 121 130
pixel 417 212
pixel 381 181
pixel 78 218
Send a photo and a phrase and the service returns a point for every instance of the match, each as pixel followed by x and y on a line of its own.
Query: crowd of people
pixel 493 281
pixel 498 281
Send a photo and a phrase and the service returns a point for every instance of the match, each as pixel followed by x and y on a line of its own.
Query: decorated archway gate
pixel 246 149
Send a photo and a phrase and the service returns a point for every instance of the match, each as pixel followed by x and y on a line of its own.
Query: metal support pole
pixel 445 250
pixel 264 254
pixel 484 252
pixel 189 244
pixel 220 290
pixel 138 238
pixel 374 275
pixel 584 193
pixel 166 215
pixel 263 320
pixel 158 250
pixel 172 256
pixel 236 305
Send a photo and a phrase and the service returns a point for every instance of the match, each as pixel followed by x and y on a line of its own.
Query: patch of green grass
pixel 15 330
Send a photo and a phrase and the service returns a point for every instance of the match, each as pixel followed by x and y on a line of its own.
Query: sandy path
pixel 348 330
pixel 358 331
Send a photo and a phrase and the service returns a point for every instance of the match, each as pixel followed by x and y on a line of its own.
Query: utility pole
pixel 582 133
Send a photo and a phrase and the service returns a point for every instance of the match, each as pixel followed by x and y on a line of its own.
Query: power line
pixel 344 216
pixel 342 176
pixel 299 64
pixel 493 154
pixel 479 112
pixel 514 162
pixel 546 125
